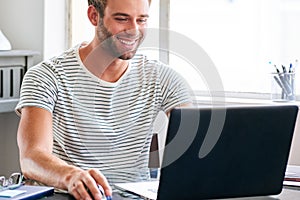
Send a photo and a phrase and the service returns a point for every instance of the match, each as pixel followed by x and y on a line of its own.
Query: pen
pixel 281 86
pixel 285 85
pixel 291 68
pixel 287 77
pixel 277 70
pixel 283 68
pixel 292 77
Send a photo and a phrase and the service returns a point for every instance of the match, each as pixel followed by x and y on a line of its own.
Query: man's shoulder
pixel 152 68
pixel 57 62
pixel 146 62
pixel 67 56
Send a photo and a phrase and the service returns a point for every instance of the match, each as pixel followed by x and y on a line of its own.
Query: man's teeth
pixel 127 42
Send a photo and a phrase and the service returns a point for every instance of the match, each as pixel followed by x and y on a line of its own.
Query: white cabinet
pixel 13 65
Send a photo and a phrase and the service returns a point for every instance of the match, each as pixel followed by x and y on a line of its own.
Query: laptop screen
pixel 226 152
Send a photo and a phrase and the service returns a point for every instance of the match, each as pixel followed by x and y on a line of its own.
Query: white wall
pixel 22 23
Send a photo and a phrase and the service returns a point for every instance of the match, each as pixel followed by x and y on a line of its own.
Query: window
pixel 240 37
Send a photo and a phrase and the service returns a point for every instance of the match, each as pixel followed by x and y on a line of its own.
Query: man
pixel 86 115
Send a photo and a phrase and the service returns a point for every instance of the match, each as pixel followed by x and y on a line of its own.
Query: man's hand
pixel 80 182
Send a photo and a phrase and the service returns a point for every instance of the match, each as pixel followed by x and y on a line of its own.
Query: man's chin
pixel 127 55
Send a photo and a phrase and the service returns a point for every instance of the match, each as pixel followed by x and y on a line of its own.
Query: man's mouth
pixel 128 42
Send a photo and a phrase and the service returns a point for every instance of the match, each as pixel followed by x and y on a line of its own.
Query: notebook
pixel 26 192
pixel 236 151
pixel 292 176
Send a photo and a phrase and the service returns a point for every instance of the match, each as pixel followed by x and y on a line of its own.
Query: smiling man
pixel 87 114
pixel 125 33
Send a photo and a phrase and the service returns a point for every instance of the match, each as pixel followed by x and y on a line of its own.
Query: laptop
pixel 223 152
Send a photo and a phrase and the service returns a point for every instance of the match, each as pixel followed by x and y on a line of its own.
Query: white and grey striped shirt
pixel 98 124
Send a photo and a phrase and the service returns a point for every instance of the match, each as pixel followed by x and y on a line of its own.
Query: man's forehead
pixel 138 6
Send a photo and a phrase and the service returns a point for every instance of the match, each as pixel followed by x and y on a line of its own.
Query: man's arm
pixel 35 141
pixel 184 105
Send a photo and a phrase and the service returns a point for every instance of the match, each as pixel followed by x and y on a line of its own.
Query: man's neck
pixel 101 64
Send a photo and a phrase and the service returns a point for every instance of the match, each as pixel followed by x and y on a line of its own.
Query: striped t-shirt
pixel 99 124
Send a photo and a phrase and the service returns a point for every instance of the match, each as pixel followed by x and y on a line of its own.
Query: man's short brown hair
pixel 100 5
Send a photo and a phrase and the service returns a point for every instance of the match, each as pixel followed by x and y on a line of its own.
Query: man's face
pixel 122 28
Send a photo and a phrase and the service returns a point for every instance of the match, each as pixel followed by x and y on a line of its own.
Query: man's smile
pixel 128 41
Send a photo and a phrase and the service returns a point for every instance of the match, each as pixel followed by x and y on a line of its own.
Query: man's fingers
pixel 75 194
pixel 79 191
pixel 94 191
pixel 101 180
pixel 84 185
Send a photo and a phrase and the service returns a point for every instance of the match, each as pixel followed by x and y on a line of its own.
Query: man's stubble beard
pixel 108 43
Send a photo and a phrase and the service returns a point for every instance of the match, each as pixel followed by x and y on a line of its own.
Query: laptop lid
pixel 226 152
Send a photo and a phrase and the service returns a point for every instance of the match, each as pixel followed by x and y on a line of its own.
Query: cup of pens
pixel 283 85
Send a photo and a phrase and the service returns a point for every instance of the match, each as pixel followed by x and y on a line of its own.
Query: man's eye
pixel 121 19
pixel 142 21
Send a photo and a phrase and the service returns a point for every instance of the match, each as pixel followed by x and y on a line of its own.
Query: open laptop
pixel 236 151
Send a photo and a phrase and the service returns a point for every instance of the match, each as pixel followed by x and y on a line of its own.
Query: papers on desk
pixel 292 176
pixel 146 189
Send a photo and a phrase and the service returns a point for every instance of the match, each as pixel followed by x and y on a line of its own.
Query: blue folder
pixel 31 193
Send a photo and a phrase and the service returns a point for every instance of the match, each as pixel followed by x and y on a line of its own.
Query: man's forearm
pixel 47 169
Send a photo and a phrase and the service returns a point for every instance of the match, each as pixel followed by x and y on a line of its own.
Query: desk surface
pixel 286 194
pixel 289 193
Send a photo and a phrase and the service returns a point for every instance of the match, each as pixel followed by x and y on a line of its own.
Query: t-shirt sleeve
pixel 39 88
pixel 175 89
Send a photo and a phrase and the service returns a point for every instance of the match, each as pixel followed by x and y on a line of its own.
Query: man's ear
pixel 93 15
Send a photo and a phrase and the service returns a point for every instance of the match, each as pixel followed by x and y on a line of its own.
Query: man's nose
pixel 133 28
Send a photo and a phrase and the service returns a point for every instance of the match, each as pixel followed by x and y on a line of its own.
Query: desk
pixel 289 193
pixel 286 194
pixel 60 196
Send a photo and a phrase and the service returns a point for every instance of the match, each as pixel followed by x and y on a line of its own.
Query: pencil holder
pixel 283 87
